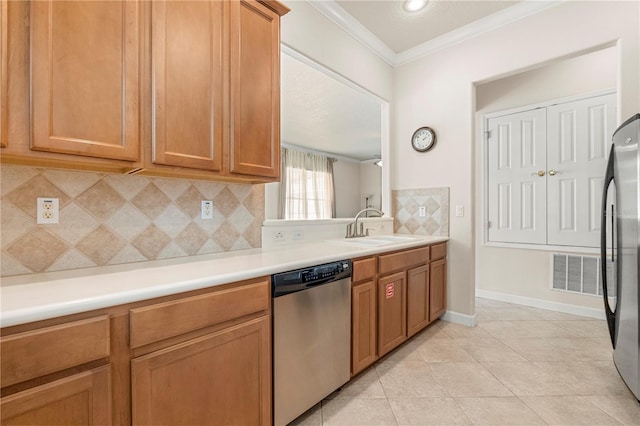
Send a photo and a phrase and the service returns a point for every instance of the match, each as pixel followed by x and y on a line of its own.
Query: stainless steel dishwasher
pixel 311 336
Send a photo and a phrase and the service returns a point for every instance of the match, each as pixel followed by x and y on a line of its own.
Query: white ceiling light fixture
pixel 414 5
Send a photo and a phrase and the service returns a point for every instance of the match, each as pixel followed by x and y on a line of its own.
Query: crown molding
pixel 351 25
pixel 496 20
pixel 344 20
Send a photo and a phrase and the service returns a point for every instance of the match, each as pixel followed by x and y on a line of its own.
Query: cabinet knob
pixel 552 172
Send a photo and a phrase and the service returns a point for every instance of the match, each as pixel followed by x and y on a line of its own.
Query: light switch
pixel 459 211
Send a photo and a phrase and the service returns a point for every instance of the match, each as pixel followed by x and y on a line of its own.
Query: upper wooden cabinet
pixel 85 82
pixel 216 87
pixel 187 63
pixel 255 89
pixel 172 88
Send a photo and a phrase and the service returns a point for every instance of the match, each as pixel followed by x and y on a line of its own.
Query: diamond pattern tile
pixel 151 242
pixel 226 202
pixel 226 235
pixel 71 183
pixel 191 239
pixel 24 197
pixel 151 201
pixel 113 219
pixel 100 200
pixel 101 245
pixel 172 221
pixel 190 201
pixel 406 212
pixel 37 249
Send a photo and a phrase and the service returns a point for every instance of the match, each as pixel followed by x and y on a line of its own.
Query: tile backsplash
pixel 406 205
pixel 108 219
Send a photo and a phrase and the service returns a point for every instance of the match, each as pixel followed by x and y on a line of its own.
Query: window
pixel 306 188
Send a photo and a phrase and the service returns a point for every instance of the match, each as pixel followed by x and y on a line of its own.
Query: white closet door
pixel 517 194
pixel 578 141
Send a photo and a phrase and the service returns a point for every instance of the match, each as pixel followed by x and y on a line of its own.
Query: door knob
pixel 552 172
pixel 538 173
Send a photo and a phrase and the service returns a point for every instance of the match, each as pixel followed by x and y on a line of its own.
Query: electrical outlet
pixel 279 237
pixel 422 211
pixel 207 209
pixel 47 210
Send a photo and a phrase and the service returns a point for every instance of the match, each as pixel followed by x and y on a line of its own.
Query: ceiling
pixel 323 114
pixel 401 30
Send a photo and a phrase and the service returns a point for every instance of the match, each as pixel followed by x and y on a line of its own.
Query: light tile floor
pixel 519 366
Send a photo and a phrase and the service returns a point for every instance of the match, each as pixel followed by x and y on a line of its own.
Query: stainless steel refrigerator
pixel 619 246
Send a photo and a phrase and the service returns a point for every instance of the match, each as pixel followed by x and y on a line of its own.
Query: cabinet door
pixel 392 312
pixel 81 399
pixel 4 77
pixel 220 378
pixel 254 146
pixel 187 68
pixel 417 299
pixel 85 78
pixel 363 326
pixel 437 289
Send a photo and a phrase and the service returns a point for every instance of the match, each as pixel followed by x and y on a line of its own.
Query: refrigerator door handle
pixel 610 315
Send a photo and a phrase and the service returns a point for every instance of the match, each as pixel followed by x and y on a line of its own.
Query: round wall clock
pixel 423 139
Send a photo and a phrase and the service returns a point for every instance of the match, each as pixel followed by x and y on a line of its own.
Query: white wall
pixel 311 33
pixel 346 177
pixel 439 91
pixel 587 73
pixel 526 273
pixel 370 184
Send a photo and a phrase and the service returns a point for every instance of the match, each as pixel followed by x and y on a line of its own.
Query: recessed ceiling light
pixel 414 5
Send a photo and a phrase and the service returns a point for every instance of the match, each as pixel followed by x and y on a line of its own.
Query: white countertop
pixel 36 297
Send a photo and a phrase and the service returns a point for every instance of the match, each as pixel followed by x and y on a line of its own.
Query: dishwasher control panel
pixel 293 281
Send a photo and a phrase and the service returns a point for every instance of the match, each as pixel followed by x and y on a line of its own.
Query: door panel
pixel 516 150
pixel 187 63
pixel 392 312
pixel 255 90
pixel 578 140
pixel 85 78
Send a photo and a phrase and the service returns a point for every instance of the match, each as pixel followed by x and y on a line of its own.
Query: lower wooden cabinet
pixel 394 296
pixel 363 326
pixel 437 288
pixel 417 299
pixel 221 378
pixel 81 399
pixel 392 312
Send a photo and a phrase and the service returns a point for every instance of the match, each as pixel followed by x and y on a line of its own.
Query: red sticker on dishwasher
pixel 389 289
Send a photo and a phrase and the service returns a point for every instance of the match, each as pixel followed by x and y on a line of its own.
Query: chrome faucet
pixel 352 228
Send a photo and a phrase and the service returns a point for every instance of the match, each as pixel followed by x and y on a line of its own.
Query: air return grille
pixel 580 274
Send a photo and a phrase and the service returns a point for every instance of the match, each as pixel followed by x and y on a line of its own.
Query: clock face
pixel 423 139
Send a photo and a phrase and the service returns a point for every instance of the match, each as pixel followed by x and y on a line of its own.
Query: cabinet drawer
pixel 169 319
pixel 438 251
pixel 36 353
pixel 364 269
pixel 402 259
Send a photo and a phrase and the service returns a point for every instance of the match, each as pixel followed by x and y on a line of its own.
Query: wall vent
pixel 580 274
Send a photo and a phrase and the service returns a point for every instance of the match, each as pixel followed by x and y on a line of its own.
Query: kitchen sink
pixel 373 241
pixel 393 238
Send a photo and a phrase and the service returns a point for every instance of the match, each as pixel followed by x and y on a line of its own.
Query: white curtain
pixel 306 186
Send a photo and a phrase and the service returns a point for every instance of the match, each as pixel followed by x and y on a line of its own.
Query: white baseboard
pixel 458 318
pixel 542 304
